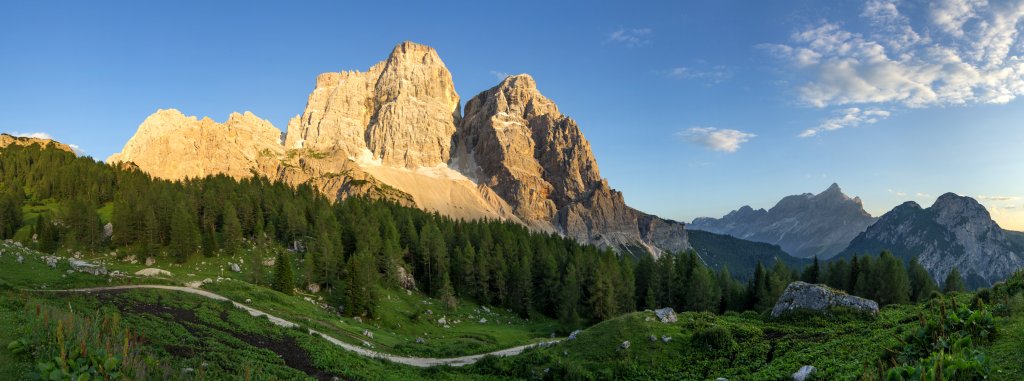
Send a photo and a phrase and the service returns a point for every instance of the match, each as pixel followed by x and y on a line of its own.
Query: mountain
pixel 956 231
pixel 397 132
pixel 803 225
pixel 7 140
pixel 740 256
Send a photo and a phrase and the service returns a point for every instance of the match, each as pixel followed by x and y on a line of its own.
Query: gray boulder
pixel 235 267
pixel 87 267
pixel 666 315
pixel 816 297
pixel 803 373
pixel 572 336
pixel 624 345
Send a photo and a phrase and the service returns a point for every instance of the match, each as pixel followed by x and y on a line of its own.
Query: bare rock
pixel 235 267
pixel 666 315
pixel 803 373
pixel 816 297
pixel 624 345
pixel 8 140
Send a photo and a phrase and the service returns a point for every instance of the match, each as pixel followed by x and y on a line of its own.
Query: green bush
pixel 713 338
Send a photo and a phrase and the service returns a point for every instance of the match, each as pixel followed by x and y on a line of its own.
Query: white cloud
pixel 633 37
pixel 959 52
pixel 37 135
pixel 850 117
pixel 714 75
pixel 724 140
pixel 922 195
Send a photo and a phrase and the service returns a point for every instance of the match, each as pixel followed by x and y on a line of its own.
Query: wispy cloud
pixel 922 195
pixel 724 140
pixel 631 37
pixel 967 51
pixel 900 194
pixel 998 198
pixel 713 76
pixel 850 117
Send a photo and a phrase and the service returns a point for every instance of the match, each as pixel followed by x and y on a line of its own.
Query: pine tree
pixel 812 274
pixel 954 282
pixel 921 283
pixel 758 295
pixel 10 214
pixel 232 230
pixel 361 295
pixel 893 283
pixel 184 239
pixel 568 310
pixel 703 294
pixel 284 276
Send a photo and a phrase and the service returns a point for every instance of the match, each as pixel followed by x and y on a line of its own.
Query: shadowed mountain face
pixel 803 225
pixel 956 231
pixel 396 132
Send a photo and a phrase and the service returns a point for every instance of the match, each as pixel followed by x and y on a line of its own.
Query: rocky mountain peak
pixel 804 225
pixel 403 111
pixel 956 231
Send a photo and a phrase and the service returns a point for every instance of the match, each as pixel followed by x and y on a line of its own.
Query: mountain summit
pixel 396 131
pixel 956 231
pixel 804 225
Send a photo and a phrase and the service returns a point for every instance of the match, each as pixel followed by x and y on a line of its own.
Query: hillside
pixel 740 256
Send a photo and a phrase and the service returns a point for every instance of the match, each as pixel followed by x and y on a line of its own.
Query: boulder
pixel 666 338
pixel 572 336
pixel 652 338
pixel 803 373
pixel 20 259
pixel 235 267
pixel 624 345
pixel 419 340
pixel 666 315
pixel 367 333
pixel 152 272
pixel 51 261
pixel 483 320
pixel 816 297
pixel 443 320
pixel 150 261
pixel 87 267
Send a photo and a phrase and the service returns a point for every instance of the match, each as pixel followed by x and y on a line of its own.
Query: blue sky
pixel 692 108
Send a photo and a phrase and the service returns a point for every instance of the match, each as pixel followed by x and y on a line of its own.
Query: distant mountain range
pixel 805 225
pixel 956 231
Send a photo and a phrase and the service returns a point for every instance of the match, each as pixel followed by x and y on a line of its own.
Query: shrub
pixel 713 338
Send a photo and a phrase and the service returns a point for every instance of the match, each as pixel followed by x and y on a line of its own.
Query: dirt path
pixel 422 362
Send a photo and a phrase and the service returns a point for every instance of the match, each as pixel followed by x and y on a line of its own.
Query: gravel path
pixel 422 362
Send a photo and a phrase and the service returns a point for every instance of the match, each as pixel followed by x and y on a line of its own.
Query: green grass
pixel 840 346
pixel 1006 351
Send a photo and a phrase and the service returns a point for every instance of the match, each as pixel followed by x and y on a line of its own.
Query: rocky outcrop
pixel 403 111
pixel 816 297
pixel 173 146
pixel 956 231
pixel 8 140
pixel 804 225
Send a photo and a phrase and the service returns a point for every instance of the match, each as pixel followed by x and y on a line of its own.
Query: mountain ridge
pixel 956 231
pixel 396 131
pixel 804 225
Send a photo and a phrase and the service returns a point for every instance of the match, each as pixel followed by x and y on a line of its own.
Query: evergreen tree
pixel 232 230
pixel 184 238
pixel 758 295
pixel 703 294
pixel 10 214
pixel 569 300
pixel 954 282
pixel 362 277
pixel 893 283
pixel 921 283
pixel 812 274
pixel 284 276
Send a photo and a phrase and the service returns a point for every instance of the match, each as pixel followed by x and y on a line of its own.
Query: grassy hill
pixel 741 256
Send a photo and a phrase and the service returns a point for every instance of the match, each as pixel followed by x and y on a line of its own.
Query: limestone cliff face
pixel 8 140
pixel 514 140
pixel 403 110
pixel 173 146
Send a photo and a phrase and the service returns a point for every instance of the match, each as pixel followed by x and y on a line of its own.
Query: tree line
pixel 352 249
